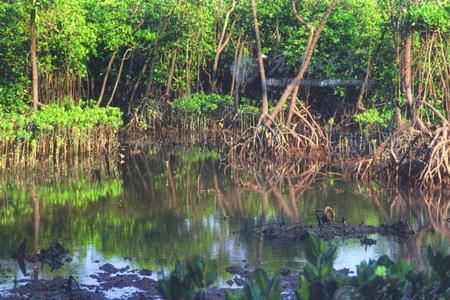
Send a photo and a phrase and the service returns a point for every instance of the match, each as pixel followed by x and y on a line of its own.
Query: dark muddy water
pixel 171 203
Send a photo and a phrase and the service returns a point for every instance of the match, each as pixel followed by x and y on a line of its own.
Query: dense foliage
pixel 57 130
pixel 122 51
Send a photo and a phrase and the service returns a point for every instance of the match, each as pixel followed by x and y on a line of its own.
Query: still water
pixel 164 204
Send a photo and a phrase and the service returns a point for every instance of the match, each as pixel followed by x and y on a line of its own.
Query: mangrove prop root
pixel 303 135
pixel 423 160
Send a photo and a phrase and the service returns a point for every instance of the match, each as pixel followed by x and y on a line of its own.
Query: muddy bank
pixel 127 283
pixel 110 283
pixel 401 230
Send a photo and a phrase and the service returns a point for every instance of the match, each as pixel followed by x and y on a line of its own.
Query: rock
pixel 145 272
pixel 122 270
pixel 109 268
pixel 367 241
pixel 53 256
pixel 285 272
pixel 239 281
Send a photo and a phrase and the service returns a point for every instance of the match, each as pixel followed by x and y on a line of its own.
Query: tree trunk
pixel 124 57
pixel 171 72
pixel 262 73
pixel 222 43
pixel 237 77
pixel 304 66
pixel 359 102
pixel 148 89
pixel 413 106
pixel 136 84
pixel 105 79
pixel 234 73
pixel 34 62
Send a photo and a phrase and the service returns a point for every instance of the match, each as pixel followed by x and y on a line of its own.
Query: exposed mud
pixel 111 278
pixel 401 230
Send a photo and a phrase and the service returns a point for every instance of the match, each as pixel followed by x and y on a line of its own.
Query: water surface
pixel 170 203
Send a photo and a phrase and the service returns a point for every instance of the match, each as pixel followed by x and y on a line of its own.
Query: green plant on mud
pixel 441 266
pixel 56 130
pixel 189 280
pixel 375 279
pixel 318 281
pixel 261 287
pixel 385 278
pixel 373 117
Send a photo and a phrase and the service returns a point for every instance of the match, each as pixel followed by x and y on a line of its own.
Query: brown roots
pixel 278 139
pixel 409 155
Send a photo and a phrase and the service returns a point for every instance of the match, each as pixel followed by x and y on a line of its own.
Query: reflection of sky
pixel 350 253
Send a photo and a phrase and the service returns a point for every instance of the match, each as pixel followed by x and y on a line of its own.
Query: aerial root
pixel 302 136
pixel 408 153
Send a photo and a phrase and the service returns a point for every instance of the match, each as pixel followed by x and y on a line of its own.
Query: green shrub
pixel 201 103
pixel 189 280
pixel 317 281
pixel 55 117
pixel 375 117
pixel 260 288
pixel 246 106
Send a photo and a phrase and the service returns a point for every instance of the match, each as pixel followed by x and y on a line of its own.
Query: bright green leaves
pixel 373 116
pixel 431 15
pixel 261 287
pixel 317 281
pixel 201 103
pixel 13 61
pixel 65 39
pixel 203 274
pixel 189 280
pixel 54 118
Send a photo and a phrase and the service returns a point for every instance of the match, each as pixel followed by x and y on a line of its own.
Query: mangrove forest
pixel 225 149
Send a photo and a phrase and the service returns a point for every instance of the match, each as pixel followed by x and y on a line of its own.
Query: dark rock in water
pixel 238 270
pixel 109 268
pixel 119 281
pixel 55 289
pixel 53 256
pixel 230 282
pixel 285 272
pixel 367 241
pixel 344 272
pixel 145 272
pixel 239 281
pixel 333 229
pixel 124 269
